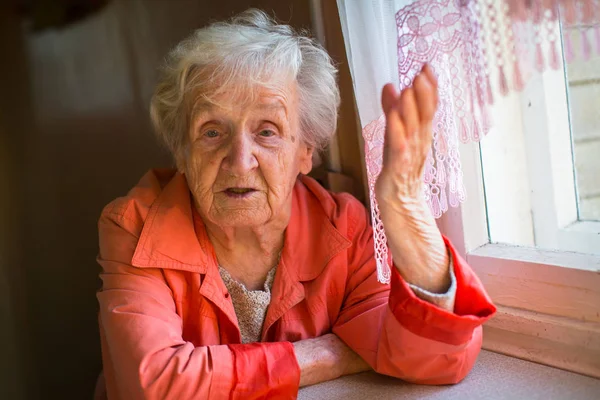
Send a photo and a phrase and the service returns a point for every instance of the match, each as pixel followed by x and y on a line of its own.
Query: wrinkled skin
pixel 241 166
pixel 243 145
pixel 416 244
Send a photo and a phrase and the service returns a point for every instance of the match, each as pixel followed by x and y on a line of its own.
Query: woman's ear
pixel 306 159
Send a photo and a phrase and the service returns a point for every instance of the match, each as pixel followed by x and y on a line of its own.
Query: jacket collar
pixel 170 240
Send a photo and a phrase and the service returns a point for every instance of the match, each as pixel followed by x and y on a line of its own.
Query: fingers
pixel 409 111
pixel 425 98
pixel 409 115
pixel 425 86
pixel 428 71
pixel 395 131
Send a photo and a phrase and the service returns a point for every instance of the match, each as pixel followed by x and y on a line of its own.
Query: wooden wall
pixel 75 135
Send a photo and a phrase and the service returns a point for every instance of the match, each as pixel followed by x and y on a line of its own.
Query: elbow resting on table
pixel 441 370
pixel 437 364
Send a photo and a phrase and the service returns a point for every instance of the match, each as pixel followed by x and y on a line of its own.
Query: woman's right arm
pixel 144 353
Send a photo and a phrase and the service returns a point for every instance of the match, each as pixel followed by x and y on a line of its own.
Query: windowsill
pixel 547 305
pixel 566 259
pixel 494 376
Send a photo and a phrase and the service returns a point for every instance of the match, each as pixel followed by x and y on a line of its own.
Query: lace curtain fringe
pixel 478 49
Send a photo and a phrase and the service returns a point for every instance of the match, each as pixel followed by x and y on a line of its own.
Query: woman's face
pixel 244 158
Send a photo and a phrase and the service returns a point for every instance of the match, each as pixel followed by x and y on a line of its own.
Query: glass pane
pixel 583 77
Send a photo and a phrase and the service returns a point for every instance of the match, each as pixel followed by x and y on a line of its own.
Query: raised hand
pixel 408 137
pixel 416 244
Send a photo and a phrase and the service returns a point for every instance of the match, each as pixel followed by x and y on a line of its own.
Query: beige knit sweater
pixel 251 305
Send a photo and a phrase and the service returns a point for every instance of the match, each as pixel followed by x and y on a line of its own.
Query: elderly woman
pixel 237 276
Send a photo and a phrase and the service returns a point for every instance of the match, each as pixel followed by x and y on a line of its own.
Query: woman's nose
pixel 240 158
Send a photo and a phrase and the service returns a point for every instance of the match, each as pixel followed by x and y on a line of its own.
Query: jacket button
pixel 226 295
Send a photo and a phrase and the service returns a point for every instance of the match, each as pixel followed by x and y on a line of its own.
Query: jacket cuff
pixel 265 370
pixel 442 300
pixel 472 306
pixel 223 375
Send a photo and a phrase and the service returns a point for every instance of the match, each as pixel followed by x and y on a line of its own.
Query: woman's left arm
pixel 414 240
pixel 399 334
pixel 395 331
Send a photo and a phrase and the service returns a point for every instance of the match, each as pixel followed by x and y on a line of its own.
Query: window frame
pixel 546 119
pixel 548 301
pixel 528 168
pixel 344 164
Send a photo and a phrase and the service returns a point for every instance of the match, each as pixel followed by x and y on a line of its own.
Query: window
pixel 583 76
pixel 529 226
pixel 532 195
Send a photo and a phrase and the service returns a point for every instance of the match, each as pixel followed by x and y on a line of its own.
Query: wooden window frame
pixel 344 167
pixel 548 301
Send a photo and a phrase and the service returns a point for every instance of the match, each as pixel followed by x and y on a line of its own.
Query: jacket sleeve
pixel 400 335
pixel 144 353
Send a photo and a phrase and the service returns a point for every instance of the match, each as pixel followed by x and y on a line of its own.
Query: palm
pixel 408 138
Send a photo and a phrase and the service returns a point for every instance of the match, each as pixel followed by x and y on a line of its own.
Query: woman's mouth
pixel 239 193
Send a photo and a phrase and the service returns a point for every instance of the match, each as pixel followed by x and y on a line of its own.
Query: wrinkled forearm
pixel 316 364
pixel 416 244
pixel 325 358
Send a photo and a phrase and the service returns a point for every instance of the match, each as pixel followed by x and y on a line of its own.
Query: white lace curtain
pixel 477 48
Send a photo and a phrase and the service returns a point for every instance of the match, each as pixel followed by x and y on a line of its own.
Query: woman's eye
pixel 266 133
pixel 211 133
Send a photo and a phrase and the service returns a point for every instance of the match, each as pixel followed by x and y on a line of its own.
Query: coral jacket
pixel 169 330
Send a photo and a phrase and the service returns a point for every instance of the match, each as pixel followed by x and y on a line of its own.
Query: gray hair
pixel 239 55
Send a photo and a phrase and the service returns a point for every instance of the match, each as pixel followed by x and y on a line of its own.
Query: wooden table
pixel 494 376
